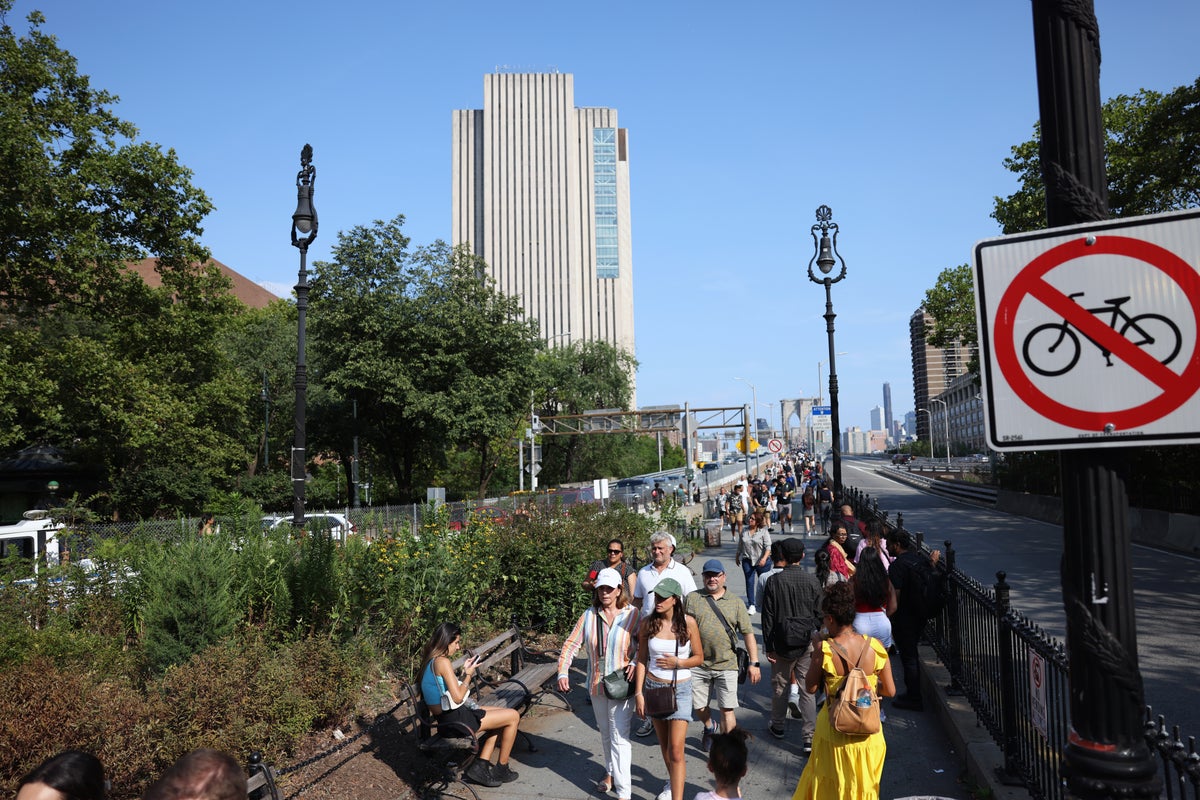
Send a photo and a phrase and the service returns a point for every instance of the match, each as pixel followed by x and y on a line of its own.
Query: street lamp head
pixel 304 221
pixel 826 256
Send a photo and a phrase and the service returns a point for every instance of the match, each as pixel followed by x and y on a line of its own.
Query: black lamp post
pixel 304 223
pixel 826 258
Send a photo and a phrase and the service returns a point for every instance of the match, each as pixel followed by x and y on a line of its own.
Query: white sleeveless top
pixel 666 647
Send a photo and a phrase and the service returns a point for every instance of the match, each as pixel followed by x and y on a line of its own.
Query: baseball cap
pixel 668 587
pixel 608 577
pixel 713 565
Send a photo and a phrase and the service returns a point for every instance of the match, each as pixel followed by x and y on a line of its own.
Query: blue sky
pixel 741 123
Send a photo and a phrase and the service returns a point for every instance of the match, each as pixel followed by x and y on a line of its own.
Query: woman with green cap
pixel 668 648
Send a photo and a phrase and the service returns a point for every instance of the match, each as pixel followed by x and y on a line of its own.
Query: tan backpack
pixel 854 710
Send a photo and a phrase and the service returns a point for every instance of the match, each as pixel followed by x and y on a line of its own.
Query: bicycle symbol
pixel 1156 334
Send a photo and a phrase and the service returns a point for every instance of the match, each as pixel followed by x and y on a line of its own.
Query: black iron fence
pixel 1015 676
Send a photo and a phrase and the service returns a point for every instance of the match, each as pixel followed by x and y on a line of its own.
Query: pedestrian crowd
pixel 662 652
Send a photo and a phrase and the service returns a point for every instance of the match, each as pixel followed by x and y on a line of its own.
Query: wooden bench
pixel 506 677
pixel 449 755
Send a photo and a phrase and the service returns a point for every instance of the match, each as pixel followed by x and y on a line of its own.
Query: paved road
pixel 1166 585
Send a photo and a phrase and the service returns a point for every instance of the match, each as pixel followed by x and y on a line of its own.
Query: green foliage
pixel 1152 157
pixel 189 599
pixel 435 357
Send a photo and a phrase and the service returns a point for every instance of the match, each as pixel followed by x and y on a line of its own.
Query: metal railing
pixel 1002 662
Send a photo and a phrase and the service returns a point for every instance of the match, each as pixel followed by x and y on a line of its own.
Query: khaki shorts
pixel 721 682
pixel 737 516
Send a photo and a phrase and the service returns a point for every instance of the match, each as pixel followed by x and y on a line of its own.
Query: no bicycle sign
pixel 1088 334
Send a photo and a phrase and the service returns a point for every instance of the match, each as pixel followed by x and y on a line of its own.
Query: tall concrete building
pixel 887 407
pixel 877 420
pixel 541 193
pixel 933 367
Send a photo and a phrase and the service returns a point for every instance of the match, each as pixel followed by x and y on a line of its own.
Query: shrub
pixel 189 602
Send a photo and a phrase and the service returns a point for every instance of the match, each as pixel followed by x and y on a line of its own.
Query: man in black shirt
pixel 789 616
pixel 909 619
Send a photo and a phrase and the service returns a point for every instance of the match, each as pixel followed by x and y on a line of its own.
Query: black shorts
pixel 455 723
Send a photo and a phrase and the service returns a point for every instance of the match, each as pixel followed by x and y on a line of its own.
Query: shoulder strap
pixel 725 622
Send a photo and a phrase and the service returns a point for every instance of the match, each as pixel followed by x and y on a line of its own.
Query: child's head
pixel 727 758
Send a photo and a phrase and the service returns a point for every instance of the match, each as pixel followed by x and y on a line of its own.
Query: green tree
pixel 435 357
pixel 121 375
pixel 951 303
pixel 583 376
pixel 1152 157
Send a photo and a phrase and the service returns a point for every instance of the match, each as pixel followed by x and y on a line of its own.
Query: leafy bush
pixel 189 600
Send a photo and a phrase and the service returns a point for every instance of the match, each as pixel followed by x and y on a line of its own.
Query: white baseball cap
pixel 608 577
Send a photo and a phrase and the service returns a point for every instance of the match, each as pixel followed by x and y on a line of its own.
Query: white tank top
pixel 666 647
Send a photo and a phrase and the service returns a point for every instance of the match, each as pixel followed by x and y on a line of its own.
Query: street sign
pixel 822 418
pixel 775 445
pixel 1038 710
pixel 1088 334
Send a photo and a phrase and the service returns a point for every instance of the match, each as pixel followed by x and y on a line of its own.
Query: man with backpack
pixel 918 582
pixel 735 510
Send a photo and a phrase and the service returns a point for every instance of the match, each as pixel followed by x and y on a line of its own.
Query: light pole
pixel 826 257
pixel 754 420
pixel 820 397
pixel 930 413
pixel 304 222
pixel 946 419
pixel 266 400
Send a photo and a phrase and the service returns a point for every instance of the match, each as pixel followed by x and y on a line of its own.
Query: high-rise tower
pixel 933 367
pixel 541 193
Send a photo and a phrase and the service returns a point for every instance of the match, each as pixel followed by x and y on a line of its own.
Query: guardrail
pixel 959 490
pixel 990 650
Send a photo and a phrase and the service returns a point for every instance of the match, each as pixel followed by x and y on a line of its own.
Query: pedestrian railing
pixel 1014 675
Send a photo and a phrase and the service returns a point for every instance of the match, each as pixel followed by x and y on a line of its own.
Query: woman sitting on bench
pixel 449 702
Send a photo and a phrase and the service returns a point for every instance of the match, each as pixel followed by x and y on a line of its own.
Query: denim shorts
pixel 683 697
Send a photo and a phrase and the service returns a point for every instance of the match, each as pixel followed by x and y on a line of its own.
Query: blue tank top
pixel 432 687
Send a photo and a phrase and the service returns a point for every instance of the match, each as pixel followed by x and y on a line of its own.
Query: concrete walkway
pixel 921 759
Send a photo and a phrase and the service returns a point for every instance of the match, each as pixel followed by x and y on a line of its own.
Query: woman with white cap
pixel 607 631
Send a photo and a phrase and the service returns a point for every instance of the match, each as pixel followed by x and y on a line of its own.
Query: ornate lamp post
pixel 826 258
pixel 304 230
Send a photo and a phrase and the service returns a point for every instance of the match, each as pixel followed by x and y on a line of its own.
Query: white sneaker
pixel 794 702
pixel 752 610
pixel 665 794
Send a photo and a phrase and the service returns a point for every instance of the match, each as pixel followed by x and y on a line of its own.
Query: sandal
pixel 604 786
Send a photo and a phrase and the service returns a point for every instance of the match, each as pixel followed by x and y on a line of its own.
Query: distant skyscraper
pixel 887 407
pixel 877 419
pixel 933 367
pixel 541 193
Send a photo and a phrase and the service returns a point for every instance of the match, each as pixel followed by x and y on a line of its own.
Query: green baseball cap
pixel 668 587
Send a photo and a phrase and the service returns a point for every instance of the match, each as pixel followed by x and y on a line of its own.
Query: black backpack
pixel 932 588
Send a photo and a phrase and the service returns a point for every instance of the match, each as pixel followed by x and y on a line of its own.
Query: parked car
pixel 336 526
pixel 629 490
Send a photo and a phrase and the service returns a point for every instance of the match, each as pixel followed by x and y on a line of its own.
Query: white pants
pixel 613 718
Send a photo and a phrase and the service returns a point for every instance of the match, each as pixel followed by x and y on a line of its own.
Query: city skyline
pixel 917 109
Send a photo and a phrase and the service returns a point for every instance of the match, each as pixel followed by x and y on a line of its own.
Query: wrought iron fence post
pixel 899 520
pixel 953 637
pixel 1008 693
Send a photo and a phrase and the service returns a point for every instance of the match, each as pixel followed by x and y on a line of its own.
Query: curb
pixel 980 755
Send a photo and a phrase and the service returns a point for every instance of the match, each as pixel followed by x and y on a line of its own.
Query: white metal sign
pixel 775 445
pixel 1088 334
pixel 822 418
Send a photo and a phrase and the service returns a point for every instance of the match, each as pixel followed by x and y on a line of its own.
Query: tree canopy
pixel 1152 157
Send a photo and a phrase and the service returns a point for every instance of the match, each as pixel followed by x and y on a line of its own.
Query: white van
pixel 34 537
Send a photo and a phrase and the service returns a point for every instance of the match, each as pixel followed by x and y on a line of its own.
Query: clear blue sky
pixel 741 122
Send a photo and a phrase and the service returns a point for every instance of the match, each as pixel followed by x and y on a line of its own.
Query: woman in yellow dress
pixel 843 767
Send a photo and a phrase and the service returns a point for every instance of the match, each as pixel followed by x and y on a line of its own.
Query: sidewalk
pixel 921 760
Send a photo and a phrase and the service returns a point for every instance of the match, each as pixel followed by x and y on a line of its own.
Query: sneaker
pixel 776 731
pixel 644 728
pixel 752 611
pixel 504 773
pixel 794 703
pixel 480 772
pixel 806 748
pixel 665 794
pixel 706 739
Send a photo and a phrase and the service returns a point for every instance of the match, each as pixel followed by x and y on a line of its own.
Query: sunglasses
pixel 615 552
